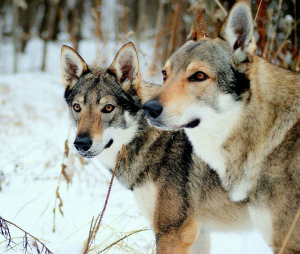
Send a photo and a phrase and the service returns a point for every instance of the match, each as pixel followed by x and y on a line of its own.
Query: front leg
pixel 177 239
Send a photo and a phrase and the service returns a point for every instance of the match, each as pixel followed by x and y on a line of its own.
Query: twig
pixel 5 232
pixel 257 11
pixel 26 204
pixel 285 40
pixel 108 54
pixel 288 235
pixel 297 68
pixel 221 7
pixel 127 166
pixel 121 239
pixel 94 229
pixel 275 26
pixel 57 196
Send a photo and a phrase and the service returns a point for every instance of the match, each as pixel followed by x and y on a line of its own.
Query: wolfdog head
pixel 103 103
pixel 205 81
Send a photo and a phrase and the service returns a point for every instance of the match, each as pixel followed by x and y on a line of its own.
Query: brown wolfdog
pixel 241 114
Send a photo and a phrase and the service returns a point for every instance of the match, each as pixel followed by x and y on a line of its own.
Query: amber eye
pixel 108 108
pixel 164 73
pixel 198 76
pixel 76 107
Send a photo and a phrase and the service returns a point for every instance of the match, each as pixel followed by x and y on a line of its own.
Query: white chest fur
pixel 109 156
pixel 262 220
pixel 120 137
pixel 208 149
pixel 146 196
pixel 214 129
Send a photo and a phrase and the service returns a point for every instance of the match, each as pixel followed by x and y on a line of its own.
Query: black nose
pixel 83 143
pixel 152 109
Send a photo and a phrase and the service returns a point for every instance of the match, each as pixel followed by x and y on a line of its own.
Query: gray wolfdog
pixel 241 114
pixel 178 193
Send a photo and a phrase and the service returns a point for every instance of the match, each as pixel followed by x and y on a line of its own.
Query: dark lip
pixel 192 124
pixel 108 145
pixel 90 155
pixel 158 125
pixel 87 155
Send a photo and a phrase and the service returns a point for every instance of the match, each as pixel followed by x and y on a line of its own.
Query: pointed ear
pixel 72 66
pixel 199 29
pixel 238 31
pixel 126 66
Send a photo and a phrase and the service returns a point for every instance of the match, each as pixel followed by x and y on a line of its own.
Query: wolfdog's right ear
pixel 237 30
pixel 72 66
pixel 199 29
pixel 126 67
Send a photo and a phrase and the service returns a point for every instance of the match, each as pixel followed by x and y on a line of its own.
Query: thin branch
pixel 57 196
pixel 6 233
pixel 221 7
pixel 257 11
pixel 121 239
pixel 98 221
pixel 288 235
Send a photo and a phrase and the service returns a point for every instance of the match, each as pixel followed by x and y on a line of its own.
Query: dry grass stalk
pixel 127 166
pixel 62 173
pixel 288 235
pixel 4 230
pixel 121 239
pixel 298 63
pixel 275 26
pixel 258 9
pixel 221 7
pixel 285 40
pixel 108 54
pixel 95 225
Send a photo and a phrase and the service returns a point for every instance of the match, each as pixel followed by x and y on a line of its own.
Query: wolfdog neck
pixel 151 149
pixel 271 112
pixel 273 105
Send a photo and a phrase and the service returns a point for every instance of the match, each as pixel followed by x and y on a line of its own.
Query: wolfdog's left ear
pixel 238 31
pixel 126 66
pixel 72 66
pixel 199 29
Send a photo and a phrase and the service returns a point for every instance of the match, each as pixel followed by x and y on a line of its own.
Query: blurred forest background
pixel 45 186
pixel 165 22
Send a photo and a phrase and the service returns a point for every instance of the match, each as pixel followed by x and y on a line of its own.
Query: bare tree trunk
pixel 27 19
pixel 76 22
pixel 3 18
pixel 174 29
pixel 142 17
pixel 157 36
pixel 49 31
pixel 166 31
pixel 97 17
pixel 124 17
pixel 44 55
pixel 50 23
pixel 15 34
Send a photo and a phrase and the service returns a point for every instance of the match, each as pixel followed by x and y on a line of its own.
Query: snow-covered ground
pixel 34 125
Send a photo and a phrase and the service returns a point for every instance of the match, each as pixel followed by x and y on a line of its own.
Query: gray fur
pixel 189 193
